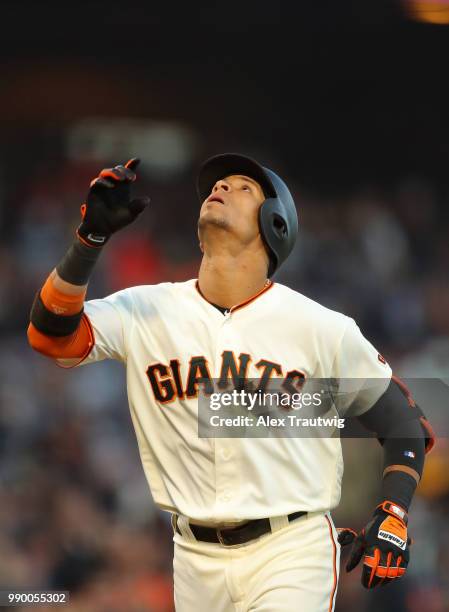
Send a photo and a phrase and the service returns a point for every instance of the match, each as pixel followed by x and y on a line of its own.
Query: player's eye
pixel 247 187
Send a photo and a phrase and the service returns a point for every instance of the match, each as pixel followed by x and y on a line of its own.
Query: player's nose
pixel 221 184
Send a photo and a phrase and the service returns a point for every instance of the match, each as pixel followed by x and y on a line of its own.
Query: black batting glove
pixel 383 544
pixel 109 206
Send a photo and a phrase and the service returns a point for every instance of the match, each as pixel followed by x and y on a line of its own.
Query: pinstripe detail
pixel 334 562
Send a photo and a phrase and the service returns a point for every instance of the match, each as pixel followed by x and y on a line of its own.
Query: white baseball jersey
pixel 169 336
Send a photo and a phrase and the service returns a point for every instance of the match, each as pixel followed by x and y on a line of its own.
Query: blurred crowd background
pixel 348 102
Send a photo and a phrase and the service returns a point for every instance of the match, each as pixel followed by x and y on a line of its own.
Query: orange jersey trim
pixel 334 564
pixel 268 286
pixel 264 289
pixel 405 390
pixel 76 346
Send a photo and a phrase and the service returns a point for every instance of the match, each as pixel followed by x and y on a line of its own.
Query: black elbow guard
pixel 394 409
pixel 51 324
pixel 406 436
pixel 429 434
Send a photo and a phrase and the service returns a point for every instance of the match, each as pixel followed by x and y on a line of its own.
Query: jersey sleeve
pixel 111 322
pixel 360 373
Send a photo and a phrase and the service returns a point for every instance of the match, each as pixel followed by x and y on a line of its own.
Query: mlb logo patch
pixel 410 454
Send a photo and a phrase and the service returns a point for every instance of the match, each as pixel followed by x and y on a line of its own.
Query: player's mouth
pixel 215 198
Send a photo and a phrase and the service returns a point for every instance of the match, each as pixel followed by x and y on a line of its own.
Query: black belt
pixel 235 535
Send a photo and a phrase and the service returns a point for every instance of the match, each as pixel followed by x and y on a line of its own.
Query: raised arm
pixel 58 326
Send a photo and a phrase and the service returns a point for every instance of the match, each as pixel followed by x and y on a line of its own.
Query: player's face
pixel 233 204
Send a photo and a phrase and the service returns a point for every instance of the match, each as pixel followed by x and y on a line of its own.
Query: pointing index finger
pixel 132 163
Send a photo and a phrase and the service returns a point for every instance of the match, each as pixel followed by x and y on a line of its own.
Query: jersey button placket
pixel 224 467
pixel 226 453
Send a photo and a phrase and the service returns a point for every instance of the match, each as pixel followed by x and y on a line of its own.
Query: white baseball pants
pixel 293 569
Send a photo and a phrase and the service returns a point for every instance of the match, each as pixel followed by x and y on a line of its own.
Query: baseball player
pixel 250 515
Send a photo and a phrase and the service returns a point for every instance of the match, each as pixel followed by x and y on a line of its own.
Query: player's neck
pixel 227 281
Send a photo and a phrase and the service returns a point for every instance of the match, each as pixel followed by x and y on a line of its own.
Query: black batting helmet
pixel 278 220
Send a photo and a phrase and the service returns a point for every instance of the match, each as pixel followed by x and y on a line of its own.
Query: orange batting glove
pixel 383 544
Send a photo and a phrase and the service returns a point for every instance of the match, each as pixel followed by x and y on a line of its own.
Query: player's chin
pixel 211 218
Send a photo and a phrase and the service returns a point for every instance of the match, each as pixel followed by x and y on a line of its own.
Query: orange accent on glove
pixel 383 545
pixel 394 509
pixel 388 571
pixel 394 526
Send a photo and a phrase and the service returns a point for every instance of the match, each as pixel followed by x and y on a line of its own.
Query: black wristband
pixel 399 488
pixel 77 264
pixel 51 324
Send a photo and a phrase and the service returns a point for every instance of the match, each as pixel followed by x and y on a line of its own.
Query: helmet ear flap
pixel 272 228
pixel 279 226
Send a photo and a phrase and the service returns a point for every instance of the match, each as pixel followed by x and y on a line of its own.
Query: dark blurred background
pixel 348 101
